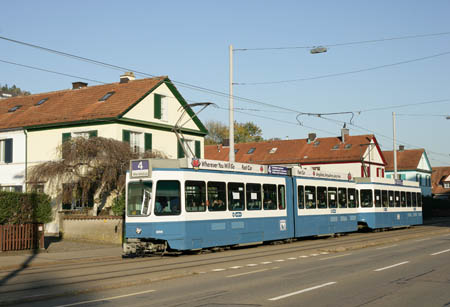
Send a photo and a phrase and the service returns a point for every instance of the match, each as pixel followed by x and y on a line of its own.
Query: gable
pixel 424 164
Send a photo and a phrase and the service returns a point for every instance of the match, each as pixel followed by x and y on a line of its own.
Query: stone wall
pixel 102 229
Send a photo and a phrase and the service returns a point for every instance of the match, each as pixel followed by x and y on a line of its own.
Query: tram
pixel 192 204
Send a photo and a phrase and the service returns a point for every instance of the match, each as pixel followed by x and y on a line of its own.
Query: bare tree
pixel 96 165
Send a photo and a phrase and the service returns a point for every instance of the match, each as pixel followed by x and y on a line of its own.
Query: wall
pixel 107 229
pixel 14 173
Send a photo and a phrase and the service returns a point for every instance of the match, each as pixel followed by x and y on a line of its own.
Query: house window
pixel 106 96
pixel 6 151
pixel 85 134
pixel 41 101
pixel 191 148
pixel 138 141
pixel 161 108
pixel 11 188
pixel 251 150
pixel 447 185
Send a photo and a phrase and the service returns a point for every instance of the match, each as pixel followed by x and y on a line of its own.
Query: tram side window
pixel 253 191
pixel 377 198
pixel 403 199
pixel 270 196
pixel 301 197
pixel 397 198
pixel 310 197
pixel 217 196
pixel 195 196
pixel 366 199
pixel 332 198
pixel 351 198
pixel 408 199
pixel 413 199
pixel 321 197
pixel 167 200
pixel 281 197
pixel 419 199
pixel 139 198
pixel 357 198
pixel 236 196
pixel 342 197
pixel 391 199
pixel 384 199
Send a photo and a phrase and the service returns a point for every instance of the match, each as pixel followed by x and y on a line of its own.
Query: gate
pixel 21 237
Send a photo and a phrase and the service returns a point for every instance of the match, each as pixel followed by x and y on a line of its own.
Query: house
pixel 440 182
pixel 141 112
pixel 412 165
pixel 358 156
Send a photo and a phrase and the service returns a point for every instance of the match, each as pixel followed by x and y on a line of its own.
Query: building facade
pixel 440 182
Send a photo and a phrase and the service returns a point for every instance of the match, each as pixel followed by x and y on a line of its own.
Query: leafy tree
pixel 90 166
pixel 243 132
pixel 14 91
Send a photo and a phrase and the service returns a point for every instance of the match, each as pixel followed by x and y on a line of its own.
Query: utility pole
pixel 395 146
pixel 231 115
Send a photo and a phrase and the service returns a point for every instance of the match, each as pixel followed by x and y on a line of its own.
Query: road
pixel 407 267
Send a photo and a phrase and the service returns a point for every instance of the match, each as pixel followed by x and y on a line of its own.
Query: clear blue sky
pixel 188 41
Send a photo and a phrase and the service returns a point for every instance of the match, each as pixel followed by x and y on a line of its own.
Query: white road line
pixel 236 267
pixel 252 264
pixel 391 266
pixel 218 270
pixel 441 252
pixel 279 260
pixel 266 262
pixel 422 240
pixel 246 273
pixel 324 253
pixel 292 258
pixel 301 291
pixel 384 247
pixel 314 255
pixel 303 256
pixel 338 256
pixel 107 298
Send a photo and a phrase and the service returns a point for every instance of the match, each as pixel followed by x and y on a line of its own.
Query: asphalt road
pixel 409 267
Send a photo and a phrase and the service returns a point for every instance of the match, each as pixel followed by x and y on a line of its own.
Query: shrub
pixel 118 206
pixel 20 208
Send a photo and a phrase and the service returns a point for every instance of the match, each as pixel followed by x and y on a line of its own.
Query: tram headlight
pixel 138 230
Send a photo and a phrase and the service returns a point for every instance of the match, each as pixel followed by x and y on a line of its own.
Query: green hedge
pixel 19 208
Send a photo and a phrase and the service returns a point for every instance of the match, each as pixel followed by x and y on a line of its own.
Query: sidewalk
pixel 64 251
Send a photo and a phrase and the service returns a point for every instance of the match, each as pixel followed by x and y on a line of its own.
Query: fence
pixel 21 236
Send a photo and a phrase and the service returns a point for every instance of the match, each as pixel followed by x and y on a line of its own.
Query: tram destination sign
pixel 228 166
pixel 140 168
pixel 278 170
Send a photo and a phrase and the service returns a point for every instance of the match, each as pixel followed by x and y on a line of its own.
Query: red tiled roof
pixel 74 105
pixel 295 151
pixel 438 176
pixel 406 159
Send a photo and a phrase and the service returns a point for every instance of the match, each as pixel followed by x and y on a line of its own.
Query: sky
pixel 189 42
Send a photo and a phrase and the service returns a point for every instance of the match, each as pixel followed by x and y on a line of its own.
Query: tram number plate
pixel 283 226
pixel 140 168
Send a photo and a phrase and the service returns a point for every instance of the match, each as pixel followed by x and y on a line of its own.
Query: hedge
pixel 20 208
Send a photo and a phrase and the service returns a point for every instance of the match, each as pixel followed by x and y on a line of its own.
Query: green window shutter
pixel 198 150
pixel 157 106
pixel 8 150
pixel 66 137
pixel 180 152
pixel 93 134
pixel 126 136
pixel 148 141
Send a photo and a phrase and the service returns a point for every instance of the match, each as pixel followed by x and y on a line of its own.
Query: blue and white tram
pixel 326 203
pixel 176 206
pixel 389 203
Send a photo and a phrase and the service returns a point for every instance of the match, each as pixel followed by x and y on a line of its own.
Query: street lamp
pixel 315 50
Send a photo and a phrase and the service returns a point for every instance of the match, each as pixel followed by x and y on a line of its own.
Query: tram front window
pixel 139 198
pixel 366 199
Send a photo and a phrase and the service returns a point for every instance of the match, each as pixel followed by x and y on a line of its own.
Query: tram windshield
pixel 139 198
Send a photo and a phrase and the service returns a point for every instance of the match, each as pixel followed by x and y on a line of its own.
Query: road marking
pixel 338 256
pixel 314 255
pixel 324 253
pixel 391 266
pixel 107 298
pixel 236 267
pixel 384 247
pixel 218 270
pixel 252 264
pixel 301 291
pixel 441 252
pixel 422 240
pixel 292 258
pixel 279 260
pixel 246 273
pixel 266 262
pixel 303 256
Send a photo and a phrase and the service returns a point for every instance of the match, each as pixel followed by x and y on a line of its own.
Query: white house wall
pixel 423 164
pixel 145 109
pixel 13 174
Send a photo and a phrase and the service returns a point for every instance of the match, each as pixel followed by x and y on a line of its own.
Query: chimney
pixel 126 77
pixel 311 137
pixel 344 131
pixel 401 148
pixel 78 84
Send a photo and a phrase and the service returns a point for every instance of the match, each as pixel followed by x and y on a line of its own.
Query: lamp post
pixel 315 50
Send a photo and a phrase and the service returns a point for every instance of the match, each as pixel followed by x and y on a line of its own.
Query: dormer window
pixel 251 150
pixel 106 96
pixel 13 109
pixel 348 146
pixel 335 147
pixel 41 101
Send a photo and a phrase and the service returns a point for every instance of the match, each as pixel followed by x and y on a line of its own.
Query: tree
pixel 96 166
pixel 243 132
pixel 14 91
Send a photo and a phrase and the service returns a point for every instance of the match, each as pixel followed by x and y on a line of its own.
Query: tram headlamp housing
pixel 138 230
